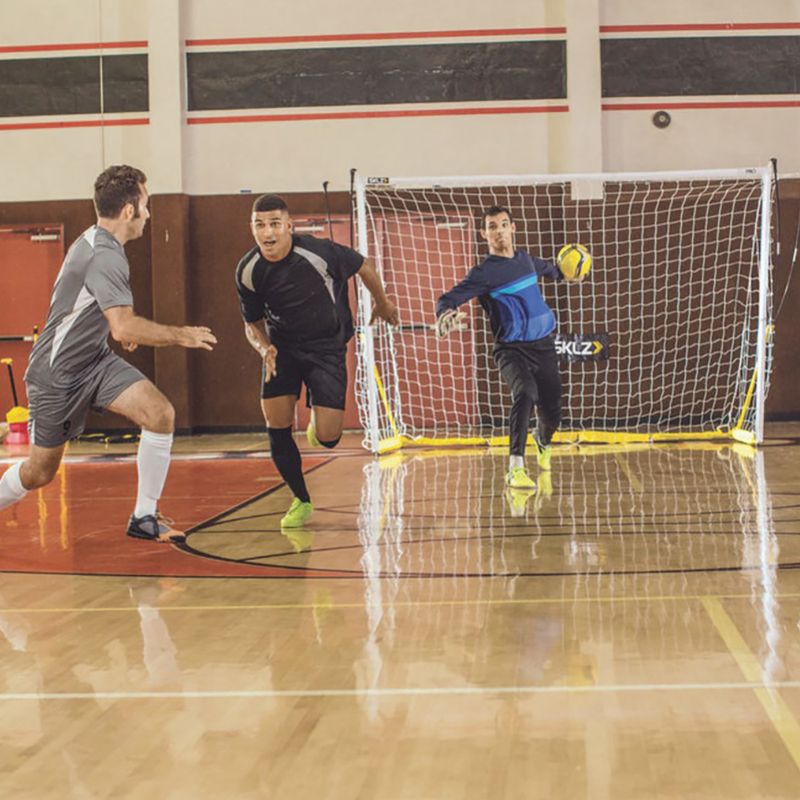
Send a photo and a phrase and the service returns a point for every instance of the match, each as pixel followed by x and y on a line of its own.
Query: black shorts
pixel 323 372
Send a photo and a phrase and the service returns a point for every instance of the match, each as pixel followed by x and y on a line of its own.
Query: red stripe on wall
pixel 716 26
pixel 422 112
pixel 76 123
pixel 363 37
pixel 41 48
pixel 701 104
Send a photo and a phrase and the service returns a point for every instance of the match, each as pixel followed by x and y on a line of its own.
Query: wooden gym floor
pixel 629 631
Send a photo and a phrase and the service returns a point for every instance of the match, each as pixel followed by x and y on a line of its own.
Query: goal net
pixel 669 336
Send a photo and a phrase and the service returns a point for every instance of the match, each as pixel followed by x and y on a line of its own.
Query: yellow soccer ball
pixel 574 261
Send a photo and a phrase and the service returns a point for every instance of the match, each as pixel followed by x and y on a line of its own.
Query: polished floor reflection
pixel 630 630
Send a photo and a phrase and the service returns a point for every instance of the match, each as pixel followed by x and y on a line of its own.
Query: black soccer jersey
pixel 303 297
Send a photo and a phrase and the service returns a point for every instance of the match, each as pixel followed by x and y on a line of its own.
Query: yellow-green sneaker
pixel 311 434
pixel 543 454
pixel 517 478
pixel 297 514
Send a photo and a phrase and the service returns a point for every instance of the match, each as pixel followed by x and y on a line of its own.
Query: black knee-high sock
pixel 519 423
pixel 287 459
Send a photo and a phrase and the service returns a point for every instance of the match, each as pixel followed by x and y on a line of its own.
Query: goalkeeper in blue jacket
pixel 507 287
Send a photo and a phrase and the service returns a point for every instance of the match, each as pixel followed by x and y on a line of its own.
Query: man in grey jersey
pixel 72 368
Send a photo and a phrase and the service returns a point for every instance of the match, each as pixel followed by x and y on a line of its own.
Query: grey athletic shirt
pixel 94 276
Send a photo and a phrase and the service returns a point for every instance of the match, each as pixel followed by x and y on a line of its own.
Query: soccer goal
pixel 669 336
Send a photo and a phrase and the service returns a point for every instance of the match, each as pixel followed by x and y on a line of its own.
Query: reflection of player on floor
pixel 298 284
pixel 506 285
pixel 72 368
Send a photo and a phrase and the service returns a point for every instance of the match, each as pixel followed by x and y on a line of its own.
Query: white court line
pixel 443 691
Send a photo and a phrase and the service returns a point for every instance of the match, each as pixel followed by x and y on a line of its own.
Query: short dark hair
pixel 493 211
pixel 270 202
pixel 115 187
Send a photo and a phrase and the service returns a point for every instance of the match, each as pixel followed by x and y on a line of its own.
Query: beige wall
pixel 206 18
pixel 299 155
pixel 24 22
pixel 703 138
pixel 647 12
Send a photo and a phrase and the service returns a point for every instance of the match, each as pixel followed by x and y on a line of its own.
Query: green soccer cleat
pixel 297 514
pixel 311 434
pixel 517 478
pixel 543 454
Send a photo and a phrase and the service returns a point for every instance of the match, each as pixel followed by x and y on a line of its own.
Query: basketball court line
pixel 217 455
pixel 404 603
pixel 421 691
pixel 779 713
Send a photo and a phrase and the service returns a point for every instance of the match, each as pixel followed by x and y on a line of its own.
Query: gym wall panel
pixel 700 65
pixel 705 138
pixel 23 22
pixel 236 18
pixel 727 73
pixel 370 85
pixel 35 87
pixel 345 76
pixel 62 163
pixel 733 12
pixel 299 155
pixel 58 126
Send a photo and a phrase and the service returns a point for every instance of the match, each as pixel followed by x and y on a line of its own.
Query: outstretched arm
pixel 447 318
pixel 473 285
pixel 130 329
pixel 384 309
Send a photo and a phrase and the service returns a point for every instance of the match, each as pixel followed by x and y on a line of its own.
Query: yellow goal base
pixel 395 443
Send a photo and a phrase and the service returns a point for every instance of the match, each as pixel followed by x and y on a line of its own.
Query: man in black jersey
pixel 297 285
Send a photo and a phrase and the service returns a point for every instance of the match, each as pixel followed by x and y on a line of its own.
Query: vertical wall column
pixel 584 86
pixel 169 206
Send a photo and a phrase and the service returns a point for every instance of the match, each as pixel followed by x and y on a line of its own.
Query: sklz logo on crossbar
pixel 582 347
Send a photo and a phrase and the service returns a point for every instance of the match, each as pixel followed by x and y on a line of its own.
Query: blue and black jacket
pixel 508 290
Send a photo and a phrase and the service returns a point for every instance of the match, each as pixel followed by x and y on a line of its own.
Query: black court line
pixel 557 519
pixel 251 500
pixel 602 538
pixel 345 573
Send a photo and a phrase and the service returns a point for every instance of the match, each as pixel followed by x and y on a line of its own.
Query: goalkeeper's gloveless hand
pixel 450 320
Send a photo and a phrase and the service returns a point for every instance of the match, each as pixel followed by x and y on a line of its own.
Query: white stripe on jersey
pixel 89 235
pixel 82 302
pixel 320 265
pixel 246 278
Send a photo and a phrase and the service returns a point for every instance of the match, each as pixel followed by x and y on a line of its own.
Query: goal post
pixel 668 337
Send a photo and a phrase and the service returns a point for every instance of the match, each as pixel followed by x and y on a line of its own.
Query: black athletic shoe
pixel 149 527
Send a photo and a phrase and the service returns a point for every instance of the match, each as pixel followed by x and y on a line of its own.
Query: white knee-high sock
pixel 152 461
pixel 11 488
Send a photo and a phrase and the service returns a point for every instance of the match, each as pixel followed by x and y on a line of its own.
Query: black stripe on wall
pixel 125 83
pixel 704 65
pixel 377 75
pixel 34 87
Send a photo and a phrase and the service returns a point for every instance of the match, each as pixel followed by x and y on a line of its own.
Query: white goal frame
pixel 380 409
